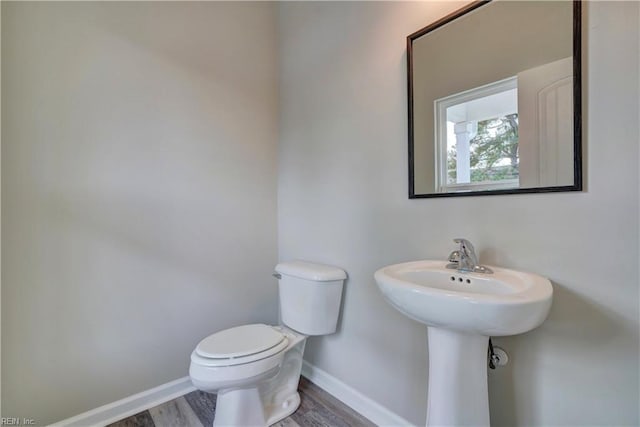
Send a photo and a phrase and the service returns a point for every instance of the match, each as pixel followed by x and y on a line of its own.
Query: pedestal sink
pixel 461 311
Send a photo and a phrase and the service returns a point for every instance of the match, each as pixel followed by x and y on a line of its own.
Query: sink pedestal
pixel 458 389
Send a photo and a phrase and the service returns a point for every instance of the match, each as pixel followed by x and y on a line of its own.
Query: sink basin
pixel 506 302
pixel 461 311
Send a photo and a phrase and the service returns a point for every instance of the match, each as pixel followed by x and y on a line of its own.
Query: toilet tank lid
pixel 311 271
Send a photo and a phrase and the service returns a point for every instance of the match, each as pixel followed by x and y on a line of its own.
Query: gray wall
pixel 138 193
pixel 343 200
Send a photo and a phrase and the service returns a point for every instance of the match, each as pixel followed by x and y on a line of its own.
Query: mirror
pixel 494 100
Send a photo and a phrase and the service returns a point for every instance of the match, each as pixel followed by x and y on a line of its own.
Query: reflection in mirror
pixel 494 100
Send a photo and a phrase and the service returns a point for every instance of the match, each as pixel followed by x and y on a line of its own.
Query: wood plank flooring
pixel 196 409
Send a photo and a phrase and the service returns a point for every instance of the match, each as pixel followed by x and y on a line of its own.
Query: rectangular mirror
pixel 494 100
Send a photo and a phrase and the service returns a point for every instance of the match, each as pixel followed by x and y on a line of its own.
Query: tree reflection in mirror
pixel 493 151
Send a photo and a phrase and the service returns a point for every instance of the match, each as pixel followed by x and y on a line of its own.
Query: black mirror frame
pixel 577 107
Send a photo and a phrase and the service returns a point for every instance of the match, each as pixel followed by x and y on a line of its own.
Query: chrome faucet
pixel 465 258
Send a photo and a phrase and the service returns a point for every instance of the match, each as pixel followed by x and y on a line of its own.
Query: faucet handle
pixel 465 258
pixel 465 245
pixel 460 240
pixel 468 258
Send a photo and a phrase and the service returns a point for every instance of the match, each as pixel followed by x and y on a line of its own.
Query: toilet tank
pixel 310 296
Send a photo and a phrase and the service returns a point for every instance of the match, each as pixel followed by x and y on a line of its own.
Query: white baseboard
pixel 131 405
pixel 139 402
pixel 351 397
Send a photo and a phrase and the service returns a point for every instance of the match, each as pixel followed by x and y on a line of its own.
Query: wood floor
pixel 196 409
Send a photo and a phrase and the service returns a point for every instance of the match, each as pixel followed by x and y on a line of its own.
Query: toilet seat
pixel 240 345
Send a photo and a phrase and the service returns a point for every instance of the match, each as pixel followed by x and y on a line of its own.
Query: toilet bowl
pixel 255 369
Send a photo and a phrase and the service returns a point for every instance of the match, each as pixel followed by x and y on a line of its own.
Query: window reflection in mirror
pixel 477 138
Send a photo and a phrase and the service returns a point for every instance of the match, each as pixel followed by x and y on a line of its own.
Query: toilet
pixel 255 369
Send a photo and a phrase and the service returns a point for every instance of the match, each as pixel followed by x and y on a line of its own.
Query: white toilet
pixel 255 369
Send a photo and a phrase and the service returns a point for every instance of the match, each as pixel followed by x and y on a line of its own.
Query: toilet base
pixel 244 407
pixel 287 408
pixel 240 407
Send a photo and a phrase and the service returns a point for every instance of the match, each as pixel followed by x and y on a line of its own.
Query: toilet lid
pixel 241 341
